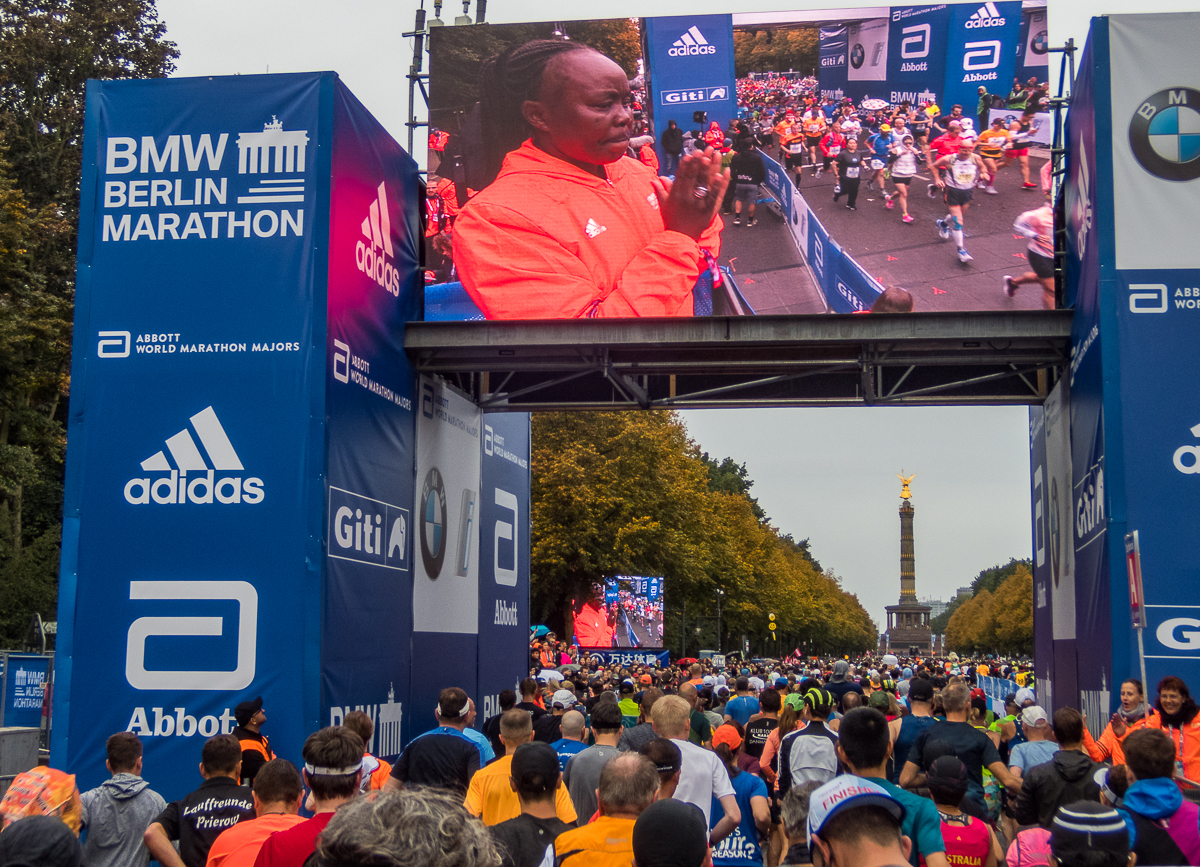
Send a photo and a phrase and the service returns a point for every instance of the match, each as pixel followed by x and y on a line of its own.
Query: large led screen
pixel 745 164
pixel 626 611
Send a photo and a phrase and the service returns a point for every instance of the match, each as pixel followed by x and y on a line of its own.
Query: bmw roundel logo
pixel 433 522
pixel 858 55
pixel 1165 134
pixel 1040 43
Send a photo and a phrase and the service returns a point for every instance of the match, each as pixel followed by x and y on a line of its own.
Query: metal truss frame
pixel 914 359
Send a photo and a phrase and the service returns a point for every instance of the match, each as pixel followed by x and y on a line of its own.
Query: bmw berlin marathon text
pixel 270 168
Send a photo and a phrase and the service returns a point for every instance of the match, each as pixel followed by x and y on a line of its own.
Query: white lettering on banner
pixel 176 489
pixel 1094 704
pixel 125 155
pixel 914 45
pixel 351 368
pixel 981 55
pixel 373 256
pixel 367 530
pixel 505 531
pixel 179 724
pixel 1089 506
pixel 1147 298
pixel 506 613
pixel 1179 633
pixel 1178 458
pixel 113 344
pixel 1079 350
pixel 691 43
pixel 385 740
pixel 146 627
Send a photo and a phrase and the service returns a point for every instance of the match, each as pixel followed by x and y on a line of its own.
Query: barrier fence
pixel 844 284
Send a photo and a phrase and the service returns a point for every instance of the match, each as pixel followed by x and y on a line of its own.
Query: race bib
pixel 852 171
pixel 795 148
pixel 835 150
pixel 964 174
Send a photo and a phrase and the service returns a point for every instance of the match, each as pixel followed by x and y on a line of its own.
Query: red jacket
pixel 547 240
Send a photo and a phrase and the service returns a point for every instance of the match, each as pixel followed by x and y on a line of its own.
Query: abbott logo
pixel 113 344
pixel 1147 298
pixel 914 42
pixel 374 255
pixel 981 55
pixel 986 16
pixel 176 488
pixel 691 43
pixel 341 361
pixel 505 531
pixel 242 676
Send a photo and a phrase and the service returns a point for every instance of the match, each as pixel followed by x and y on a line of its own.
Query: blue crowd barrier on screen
pixel 24 680
pixel 689 59
pixel 449 302
pixel 854 286
pixel 996 689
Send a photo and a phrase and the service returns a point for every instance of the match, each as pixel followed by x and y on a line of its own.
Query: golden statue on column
pixel 905 493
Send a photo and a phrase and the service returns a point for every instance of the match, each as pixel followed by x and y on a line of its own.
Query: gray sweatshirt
pixel 116 814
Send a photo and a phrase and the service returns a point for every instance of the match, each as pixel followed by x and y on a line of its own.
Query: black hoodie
pixel 1066 778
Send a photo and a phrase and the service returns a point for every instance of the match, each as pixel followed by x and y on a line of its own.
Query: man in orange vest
pixel 256 749
pixel 628 785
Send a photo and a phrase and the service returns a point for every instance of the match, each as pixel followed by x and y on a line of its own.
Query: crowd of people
pixel 880 763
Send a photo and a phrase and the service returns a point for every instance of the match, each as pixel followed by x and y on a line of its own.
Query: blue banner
pixel 503 557
pixel 854 286
pixel 833 51
pixel 192 514
pixel 1033 49
pixel 689 68
pixel 824 258
pixel 656 658
pixel 981 51
pixel 373 261
pixel 24 677
pixel 1040 516
pixel 917 54
pixel 1157 316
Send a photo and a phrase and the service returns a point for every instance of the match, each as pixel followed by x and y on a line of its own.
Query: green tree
pixel 629 493
pixel 48 51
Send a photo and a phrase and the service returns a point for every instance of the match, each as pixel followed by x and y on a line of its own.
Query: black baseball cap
pixel 670 833
pixel 245 711
pixel 920 690
pixel 534 768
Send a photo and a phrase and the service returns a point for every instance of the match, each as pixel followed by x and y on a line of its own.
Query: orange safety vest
pixel 1186 741
pixel 262 747
pixel 607 842
pixel 380 775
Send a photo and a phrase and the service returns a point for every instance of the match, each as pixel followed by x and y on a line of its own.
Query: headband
pixel 465 709
pixel 315 771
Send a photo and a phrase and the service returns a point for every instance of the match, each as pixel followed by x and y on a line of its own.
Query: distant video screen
pixel 891 162
pixel 626 611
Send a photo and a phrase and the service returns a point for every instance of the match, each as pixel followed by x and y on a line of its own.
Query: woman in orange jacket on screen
pixel 1179 717
pixel 571 227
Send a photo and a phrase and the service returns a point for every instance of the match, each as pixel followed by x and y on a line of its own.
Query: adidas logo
pixel 176 488
pixel 373 256
pixel 691 43
pixel 592 229
pixel 986 15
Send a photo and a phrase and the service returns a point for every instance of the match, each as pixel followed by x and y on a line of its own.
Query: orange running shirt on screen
pixel 548 240
pixel 592 628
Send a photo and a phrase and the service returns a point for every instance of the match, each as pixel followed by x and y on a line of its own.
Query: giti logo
pixel 691 43
pixel 1165 134
pixel 986 15
pixel 1079 204
pixel 177 488
pixel 373 256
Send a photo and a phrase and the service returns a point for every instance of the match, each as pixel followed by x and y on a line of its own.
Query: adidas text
pixel 203 487
pixel 986 22
pixel 691 50
pixel 373 254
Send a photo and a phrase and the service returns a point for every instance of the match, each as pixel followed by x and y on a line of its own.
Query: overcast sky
pixel 828 474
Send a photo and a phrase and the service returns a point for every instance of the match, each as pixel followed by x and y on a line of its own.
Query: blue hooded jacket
pixel 1155 799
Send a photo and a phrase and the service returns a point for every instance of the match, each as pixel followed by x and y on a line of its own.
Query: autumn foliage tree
pixel 996 622
pixel 631 494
